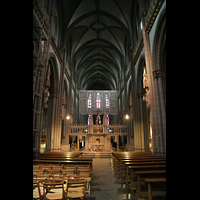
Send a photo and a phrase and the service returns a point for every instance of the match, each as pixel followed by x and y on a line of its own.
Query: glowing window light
pixel 89 102
pixel 107 102
pixel 98 101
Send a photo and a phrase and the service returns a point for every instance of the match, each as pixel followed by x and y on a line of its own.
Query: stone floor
pixel 107 184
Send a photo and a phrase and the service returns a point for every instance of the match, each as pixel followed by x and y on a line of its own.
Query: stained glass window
pixel 107 102
pixel 98 101
pixel 89 101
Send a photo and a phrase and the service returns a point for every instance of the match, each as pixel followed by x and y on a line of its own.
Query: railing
pixel 80 128
pixel 116 128
pixel 112 129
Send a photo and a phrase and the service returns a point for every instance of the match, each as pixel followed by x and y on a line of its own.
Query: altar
pixel 97 138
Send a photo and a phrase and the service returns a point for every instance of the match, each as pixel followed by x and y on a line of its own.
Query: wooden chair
pixel 68 171
pixel 75 189
pixel 40 176
pixel 38 191
pixel 56 167
pixel 54 172
pixel 38 171
pixel 36 167
pixel 74 178
pixel 46 167
pixel 54 189
pixel 78 179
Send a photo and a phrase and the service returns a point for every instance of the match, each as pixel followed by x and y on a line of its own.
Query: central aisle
pixel 107 184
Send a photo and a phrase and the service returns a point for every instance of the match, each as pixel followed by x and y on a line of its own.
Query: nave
pixel 107 183
pixel 127 175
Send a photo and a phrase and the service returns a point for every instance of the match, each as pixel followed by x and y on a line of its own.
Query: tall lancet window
pixel 89 101
pixel 98 101
pixel 107 102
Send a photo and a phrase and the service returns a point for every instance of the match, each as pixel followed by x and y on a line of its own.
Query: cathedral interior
pixel 99 75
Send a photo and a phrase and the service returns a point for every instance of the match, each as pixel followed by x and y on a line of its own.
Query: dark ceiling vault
pixel 98 35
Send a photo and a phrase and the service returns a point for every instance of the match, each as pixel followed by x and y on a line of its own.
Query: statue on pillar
pixel 98 118
pixel 90 118
pixel 105 122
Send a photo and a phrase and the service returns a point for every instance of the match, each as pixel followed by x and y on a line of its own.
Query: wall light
pixel 127 117
pixel 68 117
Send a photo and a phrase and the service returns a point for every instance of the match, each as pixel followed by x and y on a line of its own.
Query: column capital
pixel 159 73
pixel 51 12
pixel 143 13
pixel 54 95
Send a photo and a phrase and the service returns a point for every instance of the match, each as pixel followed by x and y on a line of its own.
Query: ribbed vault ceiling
pixel 97 34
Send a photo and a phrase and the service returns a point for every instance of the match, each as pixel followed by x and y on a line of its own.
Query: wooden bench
pixel 155 182
pixel 59 155
pixel 128 164
pixel 122 166
pixel 117 157
pixel 141 175
pixel 70 162
pixel 143 168
pixel 137 167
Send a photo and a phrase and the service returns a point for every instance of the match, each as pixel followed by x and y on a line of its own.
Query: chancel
pixel 99 89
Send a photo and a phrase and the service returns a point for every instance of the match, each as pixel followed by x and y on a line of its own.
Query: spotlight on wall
pixel 127 117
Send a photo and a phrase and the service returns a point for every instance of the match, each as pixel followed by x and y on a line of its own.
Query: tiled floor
pixel 107 184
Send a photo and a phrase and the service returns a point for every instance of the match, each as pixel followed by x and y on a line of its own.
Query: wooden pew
pixel 141 175
pixel 141 166
pixel 144 168
pixel 117 157
pixel 60 155
pixel 122 158
pixel 133 157
pixel 133 163
pixel 122 166
pixel 155 182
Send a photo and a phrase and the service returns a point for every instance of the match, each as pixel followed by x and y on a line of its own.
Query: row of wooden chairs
pixel 68 163
pixel 36 167
pixel 65 187
pixel 71 170
pixel 48 172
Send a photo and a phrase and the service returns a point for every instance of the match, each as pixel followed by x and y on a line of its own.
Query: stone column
pixel 77 142
pixel 117 140
pixel 160 121
pixel 125 90
pixel 122 137
pixel 86 142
